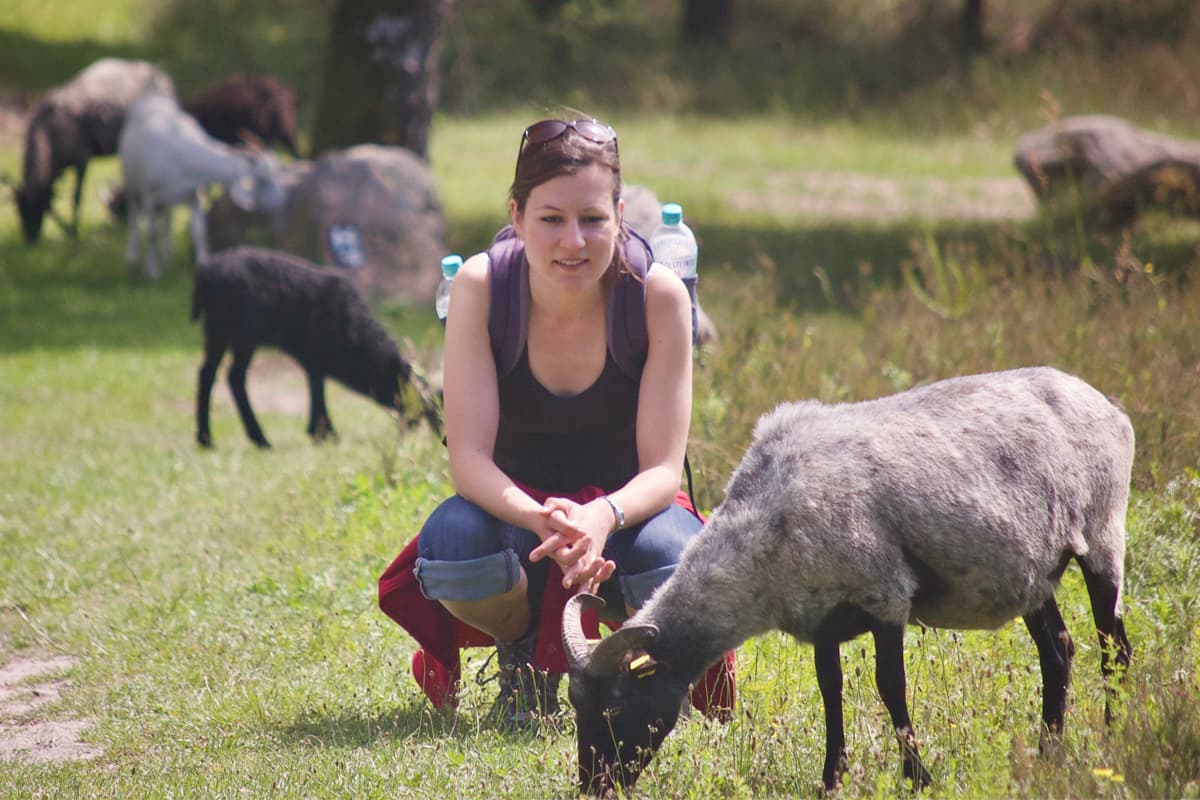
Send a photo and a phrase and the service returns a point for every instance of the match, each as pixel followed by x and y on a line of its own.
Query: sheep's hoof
pixel 322 432
pixel 261 443
pixel 204 440
pixel 917 777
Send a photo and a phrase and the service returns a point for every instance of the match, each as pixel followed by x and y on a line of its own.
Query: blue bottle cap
pixel 672 213
pixel 450 265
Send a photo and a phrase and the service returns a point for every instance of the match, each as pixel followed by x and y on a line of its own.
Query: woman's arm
pixel 472 402
pixel 664 415
pixel 664 399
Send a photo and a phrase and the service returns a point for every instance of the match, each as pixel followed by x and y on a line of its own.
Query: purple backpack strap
pixel 508 307
pixel 508 315
pixel 628 338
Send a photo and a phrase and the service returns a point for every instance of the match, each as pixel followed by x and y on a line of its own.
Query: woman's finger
pixel 549 546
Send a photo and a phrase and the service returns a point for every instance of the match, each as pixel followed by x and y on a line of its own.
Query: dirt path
pixel 28 683
pixel 849 196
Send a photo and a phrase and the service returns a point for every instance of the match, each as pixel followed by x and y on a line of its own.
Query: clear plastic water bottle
pixel 441 300
pixel 674 246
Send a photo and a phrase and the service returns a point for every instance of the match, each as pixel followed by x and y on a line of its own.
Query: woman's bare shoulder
pixel 664 287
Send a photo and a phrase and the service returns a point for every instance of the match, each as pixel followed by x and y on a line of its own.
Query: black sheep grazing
pixel 250 297
pixel 75 122
pixel 261 105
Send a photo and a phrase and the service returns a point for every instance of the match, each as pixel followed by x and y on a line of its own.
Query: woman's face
pixel 569 227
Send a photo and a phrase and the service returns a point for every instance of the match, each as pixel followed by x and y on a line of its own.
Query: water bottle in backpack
pixel 674 246
pixel 441 300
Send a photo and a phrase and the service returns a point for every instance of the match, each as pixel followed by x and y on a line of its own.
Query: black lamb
pixel 251 296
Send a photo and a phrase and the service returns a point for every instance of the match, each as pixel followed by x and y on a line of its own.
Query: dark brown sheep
pixel 73 123
pixel 261 105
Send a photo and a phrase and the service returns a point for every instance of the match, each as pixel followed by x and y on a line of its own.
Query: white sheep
pixel 167 159
pixel 958 504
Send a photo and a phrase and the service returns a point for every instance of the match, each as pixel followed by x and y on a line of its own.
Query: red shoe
pixel 715 694
pixel 439 684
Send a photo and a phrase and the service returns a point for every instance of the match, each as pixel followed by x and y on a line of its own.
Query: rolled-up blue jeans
pixel 464 553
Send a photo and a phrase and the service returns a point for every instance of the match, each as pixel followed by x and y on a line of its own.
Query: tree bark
pixel 379 76
pixel 972 26
pixel 707 22
pixel 546 9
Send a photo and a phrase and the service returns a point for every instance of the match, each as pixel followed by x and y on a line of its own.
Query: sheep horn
pixel 610 653
pixel 578 646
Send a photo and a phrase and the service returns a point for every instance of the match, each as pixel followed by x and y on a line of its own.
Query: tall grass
pixel 1118 325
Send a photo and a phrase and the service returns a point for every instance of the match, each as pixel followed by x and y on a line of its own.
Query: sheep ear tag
pixel 643 666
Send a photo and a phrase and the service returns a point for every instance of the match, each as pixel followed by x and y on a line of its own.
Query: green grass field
pixel 217 608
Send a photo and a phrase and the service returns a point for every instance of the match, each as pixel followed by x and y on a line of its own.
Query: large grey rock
pixel 371 210
pixel 1115 166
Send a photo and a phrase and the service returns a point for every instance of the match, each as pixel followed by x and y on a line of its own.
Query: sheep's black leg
pixel 827 656
pixel 1104 594
pixel 237 386
pixel 319 424
pixel 1055 651
pixel 214 350
pixel 80 171
pixel 889 677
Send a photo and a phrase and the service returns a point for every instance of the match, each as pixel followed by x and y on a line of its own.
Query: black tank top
pixel 561 444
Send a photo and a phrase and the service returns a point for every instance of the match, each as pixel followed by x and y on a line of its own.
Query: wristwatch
pixel 618 514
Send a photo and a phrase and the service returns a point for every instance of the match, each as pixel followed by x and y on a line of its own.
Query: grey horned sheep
pixel 250 297
pixel 958 504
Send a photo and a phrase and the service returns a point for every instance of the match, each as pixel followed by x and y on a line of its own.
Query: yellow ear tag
pixel 643 666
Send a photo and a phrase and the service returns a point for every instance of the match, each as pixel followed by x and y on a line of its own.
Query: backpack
pixel 628 338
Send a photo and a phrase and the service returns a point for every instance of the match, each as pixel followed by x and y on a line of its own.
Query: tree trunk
pixel 379 76
pixel 972 26
pixel 707 22
pixel 546 9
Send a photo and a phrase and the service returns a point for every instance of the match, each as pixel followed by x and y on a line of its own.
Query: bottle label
pixel 441 300
pixel 683 267
pixel 677 253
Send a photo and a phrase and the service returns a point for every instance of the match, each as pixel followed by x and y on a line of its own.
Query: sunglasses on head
pixel 550 129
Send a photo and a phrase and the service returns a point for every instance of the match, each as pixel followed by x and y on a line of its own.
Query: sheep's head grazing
pixel 260 189
pixel 32 206
pixel 389 374
pixel 398 385
pixel 625 701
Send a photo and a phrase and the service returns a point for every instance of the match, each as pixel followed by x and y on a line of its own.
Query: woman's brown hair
pixel 568 154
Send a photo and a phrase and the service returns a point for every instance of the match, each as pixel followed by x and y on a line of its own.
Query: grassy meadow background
pixel 862 231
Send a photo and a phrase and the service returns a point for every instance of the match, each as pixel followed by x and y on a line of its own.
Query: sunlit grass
pixel 110 21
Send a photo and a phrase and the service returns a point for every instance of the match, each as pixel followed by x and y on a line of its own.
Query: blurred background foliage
pixel 898 61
